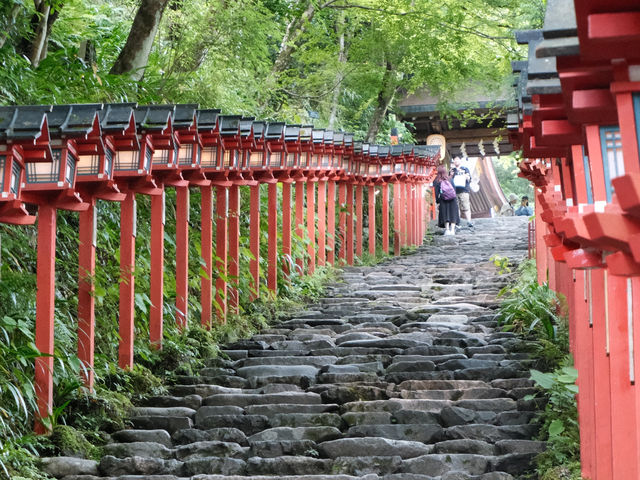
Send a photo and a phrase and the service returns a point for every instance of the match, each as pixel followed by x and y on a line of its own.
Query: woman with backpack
pixel 448 215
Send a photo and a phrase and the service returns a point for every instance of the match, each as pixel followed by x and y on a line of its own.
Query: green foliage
pixel 506 168
pixel 529 307
pixel 559 423
pixel 501 263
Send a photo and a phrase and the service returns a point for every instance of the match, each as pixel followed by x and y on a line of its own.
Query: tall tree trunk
pixel 342 60
pixel 134 56
pixel 385 97
pixel 10 22
pixel 34 46
pixel 295 30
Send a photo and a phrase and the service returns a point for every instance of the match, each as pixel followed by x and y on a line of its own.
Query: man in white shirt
pixel 461 178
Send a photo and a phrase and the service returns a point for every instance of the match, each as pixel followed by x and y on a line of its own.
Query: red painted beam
pixel 616 27
pixel 601 375
pixel 342 221
pixel 156 278
pixel 221 253
pixel 579 320
pixel 286 228
pixel 206 252
pixel 627 189
pixel 611 231
pixel 127 280
pixel 371 191
pixel 349 219
pixel 300 221
pixel 385 217
pixel 331 222
pixel 86 302
pixel 182 256
pixel 311 227
pixel 623 403
pixel 322 222
pixel 45 307
pixel 272 258
pixel 233 300
pixel 359 219
pixel 396 218
pixel 254 240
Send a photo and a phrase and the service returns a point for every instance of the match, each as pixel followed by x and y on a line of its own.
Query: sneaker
pixel 470 225
pixel 447 232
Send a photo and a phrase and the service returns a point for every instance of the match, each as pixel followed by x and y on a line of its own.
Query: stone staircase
pixel 399 373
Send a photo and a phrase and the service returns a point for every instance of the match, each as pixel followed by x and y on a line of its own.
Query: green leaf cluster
pixel 559 423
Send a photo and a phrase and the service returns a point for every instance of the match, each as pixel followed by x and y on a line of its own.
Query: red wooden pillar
pixel 410 214
pixel 254 240
pixel 397 188
pixel 601 373
pixel 331 222
pixel 579 313
pixel 311 226
pixel 322 222
pixel 45 304
pixel 359 219
pixel 404 214
pixel 300 221
pixel 182 255
pixel 234 248
pixel 206 251
pixel 342 221
pixel 86 303
pixel 541 247
pixel 221 252
pixel 127 279
pixel 635 285
pixel 371 191
pixel 156 294
pixel 385 217
pixel 349 219
pixel 286 228
pixel 272 260
pixel 623 402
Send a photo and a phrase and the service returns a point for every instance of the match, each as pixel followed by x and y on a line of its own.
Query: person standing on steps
pixel 524 210
pixel 508 209
pixel 461 178
pixel 447 201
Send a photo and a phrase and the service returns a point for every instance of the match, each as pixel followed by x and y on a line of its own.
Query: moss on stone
pixel 72 443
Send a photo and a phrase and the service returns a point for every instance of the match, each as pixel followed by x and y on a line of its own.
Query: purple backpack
pixel 447 192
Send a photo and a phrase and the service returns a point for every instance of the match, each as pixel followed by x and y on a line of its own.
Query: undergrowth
pixel 539 316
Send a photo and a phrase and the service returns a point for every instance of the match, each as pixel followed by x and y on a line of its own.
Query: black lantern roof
pixel 317 135
pixel 383 151
pixel 366 148
pixel 292 133
pixel 274 131
pixel 348 139
pixel 259 129
pixel 230 125
pixel 154 118
pixel 184 115
pixel 116 117
pixel 21 123
pixel 306 133
pixel 407 149
pixel 338 138
pixel 208 119
pixel 72 120
pixel 357 148
pixel 246 126
pixel 397 150
pixel 328 136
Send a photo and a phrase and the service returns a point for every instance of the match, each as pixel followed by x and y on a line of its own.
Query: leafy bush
pixel 529 307
pixel 559 423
